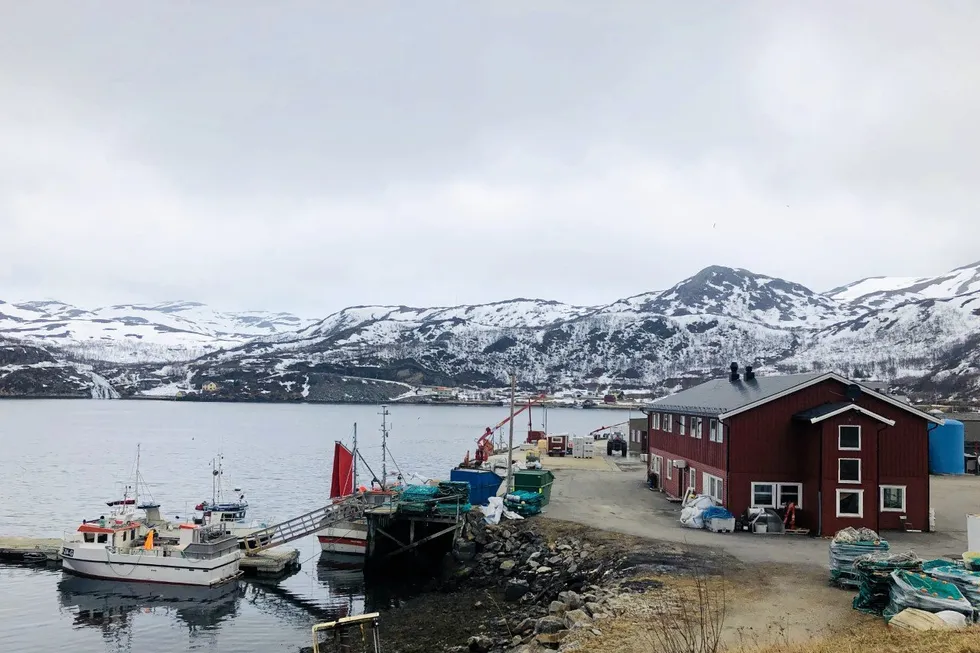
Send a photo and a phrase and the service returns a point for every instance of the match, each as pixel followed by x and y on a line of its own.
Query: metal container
pixel 946 448
pixel 535 480
pixel 483 483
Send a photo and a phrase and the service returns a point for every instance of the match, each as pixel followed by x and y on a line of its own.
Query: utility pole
pixel 510 440
pixel 384 447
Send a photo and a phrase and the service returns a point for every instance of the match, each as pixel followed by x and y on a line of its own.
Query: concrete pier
pixel 273 562
pixel 29 549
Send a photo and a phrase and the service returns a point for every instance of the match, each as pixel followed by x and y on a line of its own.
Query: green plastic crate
pixel 535 480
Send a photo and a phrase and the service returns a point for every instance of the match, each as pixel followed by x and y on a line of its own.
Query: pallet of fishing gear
pixel 848 545
pixel 967 582
pixel 524 503
pixel 923 592
pixel 874 571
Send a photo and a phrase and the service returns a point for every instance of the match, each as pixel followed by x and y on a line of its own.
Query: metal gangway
pixel 347 509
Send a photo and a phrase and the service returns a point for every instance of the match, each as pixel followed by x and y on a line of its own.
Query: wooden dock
pixel 391 534
pixel 30 549
pixel 270 563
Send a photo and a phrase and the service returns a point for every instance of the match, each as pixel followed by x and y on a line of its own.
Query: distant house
pixel 210 386
pixel 842 453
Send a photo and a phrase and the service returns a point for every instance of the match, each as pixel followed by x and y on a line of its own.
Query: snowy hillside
pixel 26 370
pixel 134 333
pixel 887 292
pixel 921 333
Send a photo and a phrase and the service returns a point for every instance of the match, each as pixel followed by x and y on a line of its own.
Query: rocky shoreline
pixel 531 586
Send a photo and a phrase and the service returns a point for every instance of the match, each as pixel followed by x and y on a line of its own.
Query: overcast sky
pixel 306 156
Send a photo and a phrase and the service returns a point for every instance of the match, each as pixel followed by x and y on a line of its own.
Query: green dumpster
pixel 535 480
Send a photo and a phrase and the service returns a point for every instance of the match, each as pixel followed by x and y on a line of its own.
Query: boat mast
pixel 354 469
pixel 510 443
pixel 136 490
pixel 384 446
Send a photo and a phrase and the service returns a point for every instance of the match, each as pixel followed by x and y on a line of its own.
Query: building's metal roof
pixel 723 396
pixel 820 411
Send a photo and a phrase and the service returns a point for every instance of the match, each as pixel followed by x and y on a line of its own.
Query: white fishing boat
pixel 125 547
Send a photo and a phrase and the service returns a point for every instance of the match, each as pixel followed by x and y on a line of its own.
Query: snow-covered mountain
pixel 921 333
pixel 138 333
pixel 887 292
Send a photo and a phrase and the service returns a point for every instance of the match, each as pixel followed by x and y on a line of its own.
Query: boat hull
pixel 150 568
pixel 347 538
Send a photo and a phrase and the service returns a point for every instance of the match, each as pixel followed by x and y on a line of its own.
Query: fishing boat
pixel 230 515
pixel 344 543
pixel 125 547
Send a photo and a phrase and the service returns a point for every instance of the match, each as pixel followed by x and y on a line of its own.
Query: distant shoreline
pixel 231 400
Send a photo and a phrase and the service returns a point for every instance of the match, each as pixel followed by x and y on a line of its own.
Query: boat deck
pixel 272 562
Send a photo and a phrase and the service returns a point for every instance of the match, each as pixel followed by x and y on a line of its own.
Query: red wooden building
pixel 844 454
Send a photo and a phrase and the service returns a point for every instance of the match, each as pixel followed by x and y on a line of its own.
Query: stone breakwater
pixel 550 586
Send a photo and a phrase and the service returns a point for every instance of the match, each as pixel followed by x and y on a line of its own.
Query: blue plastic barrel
pixel 483 483
pixel 946 448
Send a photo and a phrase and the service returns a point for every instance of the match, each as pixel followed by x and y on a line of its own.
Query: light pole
pixel 510 438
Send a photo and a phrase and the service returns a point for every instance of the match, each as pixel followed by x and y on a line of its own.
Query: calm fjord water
pixel 61 460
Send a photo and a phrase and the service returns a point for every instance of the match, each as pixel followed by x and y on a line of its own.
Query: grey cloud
pixel 306 156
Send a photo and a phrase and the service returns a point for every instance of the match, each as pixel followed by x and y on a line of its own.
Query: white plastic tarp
pixel 494 511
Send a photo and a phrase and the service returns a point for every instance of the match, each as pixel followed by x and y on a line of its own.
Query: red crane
pixel 603 428
pixel 484 445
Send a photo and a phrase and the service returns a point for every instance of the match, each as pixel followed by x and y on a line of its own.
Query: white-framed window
pixel 656 421
pixel 714 432
pixel 670 469
pixel 893 498
pixel 657 465
pixel 692 480
pixel 682 421
pixel 849 470
pixel 712 486
pixel 668 422
pixel 849 437
pixel 776 495
pixel 697 427
pixel 850 503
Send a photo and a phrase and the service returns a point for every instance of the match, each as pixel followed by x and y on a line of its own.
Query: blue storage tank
pixel 946 448
pixel 483 483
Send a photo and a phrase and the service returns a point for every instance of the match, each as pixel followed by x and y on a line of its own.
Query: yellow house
pixel 210 386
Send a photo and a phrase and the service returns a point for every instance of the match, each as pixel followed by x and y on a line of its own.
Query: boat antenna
pixel 384 446
pixel 354 468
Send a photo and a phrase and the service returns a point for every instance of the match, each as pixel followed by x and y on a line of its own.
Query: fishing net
pixel 967 582
pixel 446 498
pixel 921 591
pixel 873 571
pixel 848 545
pixel 524 503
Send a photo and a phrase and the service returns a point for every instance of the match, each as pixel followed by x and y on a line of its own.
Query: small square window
pixel 103 538
pixel 893 498
pixel 849 438
pixel 850 503
pixel 789 493
pixel 849 470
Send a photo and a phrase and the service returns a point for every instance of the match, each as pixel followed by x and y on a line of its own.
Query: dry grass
pixel 879 638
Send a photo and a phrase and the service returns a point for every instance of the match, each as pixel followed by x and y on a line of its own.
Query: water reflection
pixel 111 606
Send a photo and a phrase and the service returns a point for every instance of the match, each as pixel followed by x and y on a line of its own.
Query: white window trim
pixel 668 423
pixel 777 494
pixel 706 479
pixel 692 479
pixel 840 480
pixel 860 493
pixel 713 430
pixel 839 433
pixel 682 425
pixel 699 427
pixel 881 498
pixel 656 421
pixel 670 469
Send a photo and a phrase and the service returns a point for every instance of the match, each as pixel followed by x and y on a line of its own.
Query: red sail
pixel 342 481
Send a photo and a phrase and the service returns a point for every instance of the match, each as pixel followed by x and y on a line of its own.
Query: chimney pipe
pixel 749 374
pixel 734 375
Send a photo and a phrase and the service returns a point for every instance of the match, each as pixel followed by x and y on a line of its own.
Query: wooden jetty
pixel 30 549
pixel 273 563
pixel 391 534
